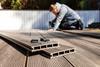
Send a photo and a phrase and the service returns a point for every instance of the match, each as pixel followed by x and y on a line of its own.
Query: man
pixel 65 17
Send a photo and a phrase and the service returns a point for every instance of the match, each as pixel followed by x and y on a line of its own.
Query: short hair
pixel 52 7
pixel 53 1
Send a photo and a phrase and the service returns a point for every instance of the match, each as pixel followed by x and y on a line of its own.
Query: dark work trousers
pixel 66 24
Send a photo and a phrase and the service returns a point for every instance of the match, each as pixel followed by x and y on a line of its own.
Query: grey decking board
pixel 58 52
pixel 62 47
pixel 10 57
pixel 26 44
pixel 40 61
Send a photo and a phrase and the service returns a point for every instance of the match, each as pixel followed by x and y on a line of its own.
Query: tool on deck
pixel 37 40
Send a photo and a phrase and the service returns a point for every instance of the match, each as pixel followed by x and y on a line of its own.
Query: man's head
pixel 53 8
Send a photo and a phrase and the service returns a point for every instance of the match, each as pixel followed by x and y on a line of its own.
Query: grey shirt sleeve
pixel 60 16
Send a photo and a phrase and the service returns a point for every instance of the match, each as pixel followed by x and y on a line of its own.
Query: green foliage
pixel 6 4
pixel 44 4
pixel 26 4
pixel 82 4
pixel 16 4
pixel 63 1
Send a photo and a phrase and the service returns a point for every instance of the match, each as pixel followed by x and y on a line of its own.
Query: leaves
pixel 16 4
pixel 44 4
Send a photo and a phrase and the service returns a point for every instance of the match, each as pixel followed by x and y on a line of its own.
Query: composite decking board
pixel 10 57
pixel 32 34
pixel 58 52
pixel 16 42
pixel 40 61
pixel 23 38
pixel 80 58
pixel 2 44
pixel 24 42
pixel 85 33
pixel 20 38
pixel 61 48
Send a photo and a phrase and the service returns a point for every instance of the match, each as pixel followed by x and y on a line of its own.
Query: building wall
pixel 89 17
pixel 18 20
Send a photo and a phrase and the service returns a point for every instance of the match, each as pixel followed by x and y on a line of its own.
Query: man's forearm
pixel 60 17
pixel 56 26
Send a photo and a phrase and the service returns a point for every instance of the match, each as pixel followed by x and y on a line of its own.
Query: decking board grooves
pixel 30 46
pixel 51 48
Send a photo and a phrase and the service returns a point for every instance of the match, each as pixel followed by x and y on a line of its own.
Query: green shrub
pixel 16 4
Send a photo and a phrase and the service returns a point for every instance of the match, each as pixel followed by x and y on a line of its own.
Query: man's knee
pixel 79 25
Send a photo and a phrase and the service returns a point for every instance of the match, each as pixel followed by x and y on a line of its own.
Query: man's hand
pixel 50 30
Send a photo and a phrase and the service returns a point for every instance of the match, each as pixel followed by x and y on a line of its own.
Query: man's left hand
pixel 50 30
